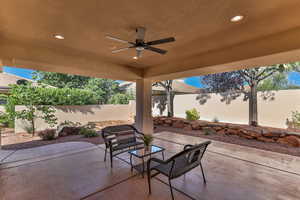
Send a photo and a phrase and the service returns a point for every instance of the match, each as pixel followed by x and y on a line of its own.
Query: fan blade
pixel 119 50
pixel 157 50
pixel 161 41
pixel 118 40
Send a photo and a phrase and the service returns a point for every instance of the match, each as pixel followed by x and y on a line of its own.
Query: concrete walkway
pixel 19 157
pixel 266 158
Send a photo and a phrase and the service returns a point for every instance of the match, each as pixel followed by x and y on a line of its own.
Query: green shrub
pixel 28 129
pixel 120 99
pixel 296 119
pixel 88 132
pixel 48 134
pixel 192 114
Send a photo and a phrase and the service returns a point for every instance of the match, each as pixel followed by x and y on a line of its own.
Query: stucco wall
pixel 270 112
pixel 82 114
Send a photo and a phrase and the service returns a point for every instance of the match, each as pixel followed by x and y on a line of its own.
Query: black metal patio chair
pixel 177 165
pixel 120 139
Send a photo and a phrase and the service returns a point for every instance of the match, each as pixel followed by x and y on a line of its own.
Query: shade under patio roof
pixel 206 40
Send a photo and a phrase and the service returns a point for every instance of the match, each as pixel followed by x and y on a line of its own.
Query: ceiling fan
pixel 140 44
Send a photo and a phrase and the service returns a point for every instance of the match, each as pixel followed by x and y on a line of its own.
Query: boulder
pixel 195 125
pixel 178 124
pixel 222 132
pixel 233 132
pixel 168 121
pixel 290 141
pixel 264 139
pixel 188 128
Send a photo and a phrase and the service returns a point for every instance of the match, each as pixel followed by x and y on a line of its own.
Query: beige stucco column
pixel 144 122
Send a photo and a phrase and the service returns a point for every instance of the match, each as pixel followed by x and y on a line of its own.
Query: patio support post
pixel 144 121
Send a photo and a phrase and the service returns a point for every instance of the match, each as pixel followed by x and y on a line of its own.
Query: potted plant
pixel 147 139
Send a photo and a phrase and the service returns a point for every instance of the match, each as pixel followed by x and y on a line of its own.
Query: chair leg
pixel 203 173
pixel 105 154
pixel 170 185
pixel 149 180
pixel 111 160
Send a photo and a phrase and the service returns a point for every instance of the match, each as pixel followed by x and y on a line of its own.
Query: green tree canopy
pixel 104 89
pixel 120 99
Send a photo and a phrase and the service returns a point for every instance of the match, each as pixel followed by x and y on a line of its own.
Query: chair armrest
pixel 187 146
pixel 155 160
pixel 140 133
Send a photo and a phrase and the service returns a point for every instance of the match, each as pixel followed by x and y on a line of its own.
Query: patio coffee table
pixel 142 153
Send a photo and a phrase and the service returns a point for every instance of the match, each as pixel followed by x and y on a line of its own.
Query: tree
pixel 26 95
pixel 103 88
pixel 120 99
pixel 167 85
pixel 60 80
pixel 231 83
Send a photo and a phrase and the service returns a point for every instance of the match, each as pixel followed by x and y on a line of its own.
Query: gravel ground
pixel 274 147
pixel 24 140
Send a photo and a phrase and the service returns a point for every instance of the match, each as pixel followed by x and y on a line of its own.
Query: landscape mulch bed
pixel 274 147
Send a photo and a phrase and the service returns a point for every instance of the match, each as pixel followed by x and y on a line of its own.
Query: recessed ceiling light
pixel 59 37
pixel 237 18
pixel 135 57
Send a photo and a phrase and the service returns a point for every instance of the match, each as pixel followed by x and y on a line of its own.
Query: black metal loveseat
pixel 120 139
pixel 177 165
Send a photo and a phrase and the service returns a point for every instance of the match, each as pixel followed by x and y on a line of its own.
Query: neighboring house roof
pixel 178 87
pixel 7 79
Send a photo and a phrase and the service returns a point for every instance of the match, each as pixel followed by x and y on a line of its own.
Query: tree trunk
pixel 169 104
pixel 172 104
pixel 253 104
pixel 33 127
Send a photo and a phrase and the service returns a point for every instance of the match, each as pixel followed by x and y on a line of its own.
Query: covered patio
pixel 71 37
pixel 232 172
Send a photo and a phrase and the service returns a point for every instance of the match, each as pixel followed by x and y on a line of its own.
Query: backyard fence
pixel 273 110
pixel 82 114
pixel 273 107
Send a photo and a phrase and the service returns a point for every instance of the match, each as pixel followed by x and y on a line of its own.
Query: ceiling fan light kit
pixel 140 45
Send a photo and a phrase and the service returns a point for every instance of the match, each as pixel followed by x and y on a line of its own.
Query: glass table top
pixel 142 151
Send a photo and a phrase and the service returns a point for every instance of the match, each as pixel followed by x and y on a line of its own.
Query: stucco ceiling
pixel 202 28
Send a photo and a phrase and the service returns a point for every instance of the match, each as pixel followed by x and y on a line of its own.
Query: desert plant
pixel 215 119
pixel 192 114
pixel 69 123
pixel 88 132
pixel 28 129
pixel 147 139
pixel 48 134
pixel 295 119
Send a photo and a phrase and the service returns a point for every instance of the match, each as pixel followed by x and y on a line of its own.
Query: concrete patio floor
pixel 77 171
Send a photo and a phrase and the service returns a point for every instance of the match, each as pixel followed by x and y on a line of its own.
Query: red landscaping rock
pixel 178 124
pixel 221 132
pixel 188 128
pixel 264 134
pixel 290 140
pixel 168 121
pixel 196 125
pixel 264 139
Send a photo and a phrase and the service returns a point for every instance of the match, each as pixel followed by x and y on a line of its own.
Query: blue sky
pixel 294 77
